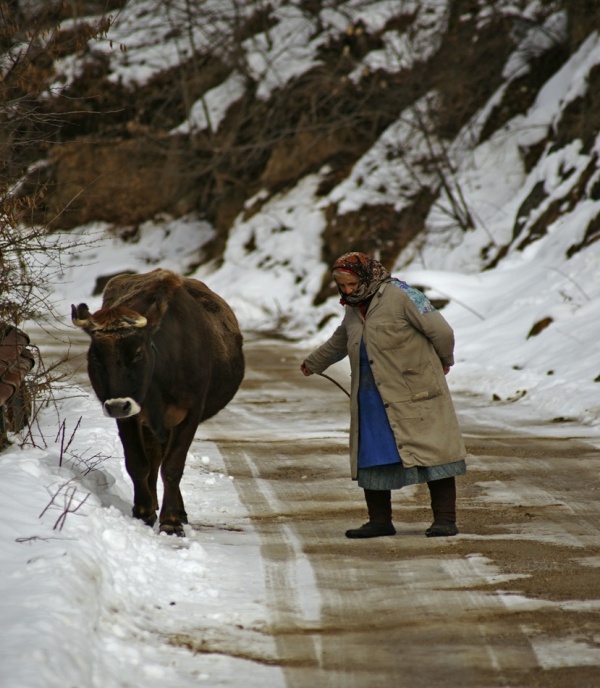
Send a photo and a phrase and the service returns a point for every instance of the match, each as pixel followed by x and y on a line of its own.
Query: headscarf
pixel 369 271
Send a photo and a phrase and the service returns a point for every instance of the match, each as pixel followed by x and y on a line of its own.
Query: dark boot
pixel 379 506
pixel 443 505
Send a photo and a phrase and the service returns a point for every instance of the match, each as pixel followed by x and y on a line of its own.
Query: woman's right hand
pixel 305 369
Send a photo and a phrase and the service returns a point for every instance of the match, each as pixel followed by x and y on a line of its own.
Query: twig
pixel 564 274
pixel 61 433
pixel 460 303
pixel 69 495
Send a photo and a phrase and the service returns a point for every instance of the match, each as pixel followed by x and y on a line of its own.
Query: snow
pixel 536 41
pixel 68 599
pixel 286 51
pixel 72 613
pixel 209 111
pixel 389 172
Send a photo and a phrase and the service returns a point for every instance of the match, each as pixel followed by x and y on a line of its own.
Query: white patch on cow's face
pixel 121 408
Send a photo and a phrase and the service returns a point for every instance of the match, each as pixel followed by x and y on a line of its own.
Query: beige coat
pixel 408 342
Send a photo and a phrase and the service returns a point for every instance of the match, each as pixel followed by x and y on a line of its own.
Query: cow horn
pixel 80 316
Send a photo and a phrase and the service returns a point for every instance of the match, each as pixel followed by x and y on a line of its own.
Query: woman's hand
pixel 446 370
pixel 305 369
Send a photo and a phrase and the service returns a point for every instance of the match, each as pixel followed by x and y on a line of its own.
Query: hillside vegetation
pixel 121 111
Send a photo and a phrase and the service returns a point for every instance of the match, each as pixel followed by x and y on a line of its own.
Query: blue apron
pixel 376 442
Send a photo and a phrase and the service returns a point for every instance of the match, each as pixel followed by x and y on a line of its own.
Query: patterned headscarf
pixel 369 271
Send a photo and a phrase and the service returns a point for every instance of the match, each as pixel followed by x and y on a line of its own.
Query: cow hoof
pixel 172 529
pixel 148 519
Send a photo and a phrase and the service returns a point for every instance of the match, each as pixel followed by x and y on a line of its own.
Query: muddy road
pixel 514 600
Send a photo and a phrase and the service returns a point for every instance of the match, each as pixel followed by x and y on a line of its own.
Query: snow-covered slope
pixel 510 238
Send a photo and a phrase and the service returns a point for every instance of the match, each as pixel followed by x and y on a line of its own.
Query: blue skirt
pixel 394 476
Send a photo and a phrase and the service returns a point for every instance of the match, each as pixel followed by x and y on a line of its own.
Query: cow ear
pixel 154 315
pixel 135 321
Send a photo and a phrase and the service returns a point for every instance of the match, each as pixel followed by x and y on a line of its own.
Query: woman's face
pixel 347 282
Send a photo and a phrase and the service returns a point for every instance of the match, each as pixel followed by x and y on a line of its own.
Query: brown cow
pixel 165 355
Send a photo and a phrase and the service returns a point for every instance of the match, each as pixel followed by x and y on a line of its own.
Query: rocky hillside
pixel 128 110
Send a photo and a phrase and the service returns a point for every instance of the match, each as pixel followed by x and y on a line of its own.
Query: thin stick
pixel 335 383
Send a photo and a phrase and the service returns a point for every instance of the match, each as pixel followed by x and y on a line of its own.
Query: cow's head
pixel 120 357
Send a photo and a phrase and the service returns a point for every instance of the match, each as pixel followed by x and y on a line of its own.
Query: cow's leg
pixel 182 512
pixel 139 469
pixel 172 514
pixel 154 451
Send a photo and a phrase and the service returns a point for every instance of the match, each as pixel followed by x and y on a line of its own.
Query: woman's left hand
pixel 446 370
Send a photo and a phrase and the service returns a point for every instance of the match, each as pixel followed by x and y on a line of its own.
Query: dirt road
pixel 514 600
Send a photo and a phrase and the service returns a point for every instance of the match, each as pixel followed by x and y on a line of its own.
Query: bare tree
pixel 30 254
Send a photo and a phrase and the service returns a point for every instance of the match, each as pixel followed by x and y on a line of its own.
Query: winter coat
pixel 408 342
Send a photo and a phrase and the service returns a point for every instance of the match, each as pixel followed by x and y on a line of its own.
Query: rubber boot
pixel 443 505
pixel 379 506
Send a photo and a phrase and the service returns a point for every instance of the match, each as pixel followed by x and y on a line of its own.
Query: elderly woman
pixel 403 427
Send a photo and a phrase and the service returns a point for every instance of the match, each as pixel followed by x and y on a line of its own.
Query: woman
pixel 403 427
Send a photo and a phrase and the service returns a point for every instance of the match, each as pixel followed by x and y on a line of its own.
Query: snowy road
pixel 513 601
pixel 265 591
